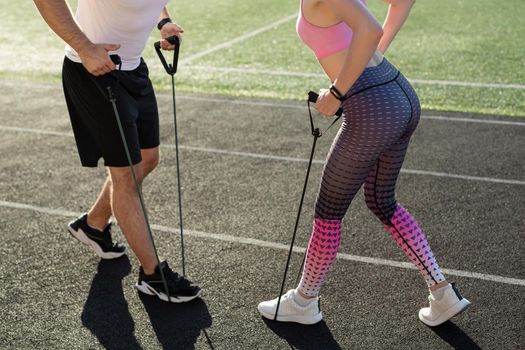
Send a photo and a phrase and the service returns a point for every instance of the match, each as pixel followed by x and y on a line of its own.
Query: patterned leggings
pixel 380 115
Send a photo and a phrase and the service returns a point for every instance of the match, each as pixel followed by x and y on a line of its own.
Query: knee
pixel 150 160
pixel 329 210
pixel 150 164
pixel 382 208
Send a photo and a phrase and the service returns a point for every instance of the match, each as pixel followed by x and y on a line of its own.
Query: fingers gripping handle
pixel 312 97
pixel 171 69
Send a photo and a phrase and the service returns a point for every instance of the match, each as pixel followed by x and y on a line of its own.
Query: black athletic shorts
pixel 93 119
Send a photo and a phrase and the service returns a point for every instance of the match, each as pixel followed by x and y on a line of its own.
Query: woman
pixel 381 111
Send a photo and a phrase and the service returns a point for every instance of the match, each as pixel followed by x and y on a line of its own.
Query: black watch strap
pixel 336 93
pixel 163 22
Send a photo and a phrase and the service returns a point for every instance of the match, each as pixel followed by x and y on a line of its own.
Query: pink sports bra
pixel 324 41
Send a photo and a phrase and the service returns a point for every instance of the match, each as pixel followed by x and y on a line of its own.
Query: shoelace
pixel 174 279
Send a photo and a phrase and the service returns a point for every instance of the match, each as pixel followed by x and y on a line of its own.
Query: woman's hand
pixel 326 103
pixel 170 29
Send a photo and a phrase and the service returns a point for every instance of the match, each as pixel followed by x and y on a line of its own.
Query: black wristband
pixel 336 93
pixel 163 22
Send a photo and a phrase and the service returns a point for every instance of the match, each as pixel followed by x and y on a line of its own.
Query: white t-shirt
pixel 124 22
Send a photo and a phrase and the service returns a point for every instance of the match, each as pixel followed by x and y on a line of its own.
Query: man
pixel 117 27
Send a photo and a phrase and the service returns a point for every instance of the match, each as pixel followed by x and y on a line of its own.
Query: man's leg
pixel 128 211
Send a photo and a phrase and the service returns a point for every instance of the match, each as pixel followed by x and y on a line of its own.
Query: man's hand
pixel 95 58
pixel 327 104
pixel 170 29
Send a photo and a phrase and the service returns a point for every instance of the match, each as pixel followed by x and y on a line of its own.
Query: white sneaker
pixel 291 311
pixel 449 305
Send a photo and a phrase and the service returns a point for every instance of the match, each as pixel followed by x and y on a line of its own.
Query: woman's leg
pixel 322 251
pixel 445 299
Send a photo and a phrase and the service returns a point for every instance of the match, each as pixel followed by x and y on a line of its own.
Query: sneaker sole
pixel 84 239
pixel 458 308
pixel 145 288
pixel 306 320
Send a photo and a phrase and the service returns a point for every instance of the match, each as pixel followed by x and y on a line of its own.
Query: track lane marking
pixel 303 107
pixel 285 159
pixel 283 73
pixel 250 102
pixel 279 246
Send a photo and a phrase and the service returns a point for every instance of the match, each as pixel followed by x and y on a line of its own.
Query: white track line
pixel 238 39
pixel 279 246
pixel 468 84
pixel 50 211
pixel 286 159
pixel 248 102
pixel 35 131
pixel 470 120
pixel 303 107
pixel 464 177
pixel 320 75
pixel 317 161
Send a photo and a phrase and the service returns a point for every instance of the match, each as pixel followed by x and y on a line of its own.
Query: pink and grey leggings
pixel 369 148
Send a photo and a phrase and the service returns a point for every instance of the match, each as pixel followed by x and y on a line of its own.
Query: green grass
pixel 461 40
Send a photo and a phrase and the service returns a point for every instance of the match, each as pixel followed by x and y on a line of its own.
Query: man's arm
pixel 57 15
pixel 168 30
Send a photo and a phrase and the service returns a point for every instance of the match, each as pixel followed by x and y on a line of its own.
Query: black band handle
pixel 116 59
pixel 312 97
pixel 171 69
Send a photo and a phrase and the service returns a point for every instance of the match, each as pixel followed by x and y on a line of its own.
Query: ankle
pixel 150 268
pixel 438 290
pixel 96 223
pixel 148 271
pixel 301 298
pixel 439 285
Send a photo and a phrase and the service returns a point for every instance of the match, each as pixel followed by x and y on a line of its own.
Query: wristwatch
pixel 163 22
pixel 336 93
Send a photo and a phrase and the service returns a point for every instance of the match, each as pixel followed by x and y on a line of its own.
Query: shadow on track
pixel 106 312
pixel 455 336
pixel 178 326
pixel 299 336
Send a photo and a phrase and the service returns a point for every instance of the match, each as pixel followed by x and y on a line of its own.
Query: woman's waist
pixel 333 64
pixel 376 59
pixel 380 74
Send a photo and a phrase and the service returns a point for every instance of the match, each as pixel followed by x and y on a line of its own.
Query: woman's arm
pixel 367 33
pixel 398 11
pixel 164 14
pixel 58 16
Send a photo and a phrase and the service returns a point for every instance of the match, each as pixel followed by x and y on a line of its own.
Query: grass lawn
pixel 473 41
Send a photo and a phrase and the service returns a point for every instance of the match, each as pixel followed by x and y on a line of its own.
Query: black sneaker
pixel 99 241
pixel 180 289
